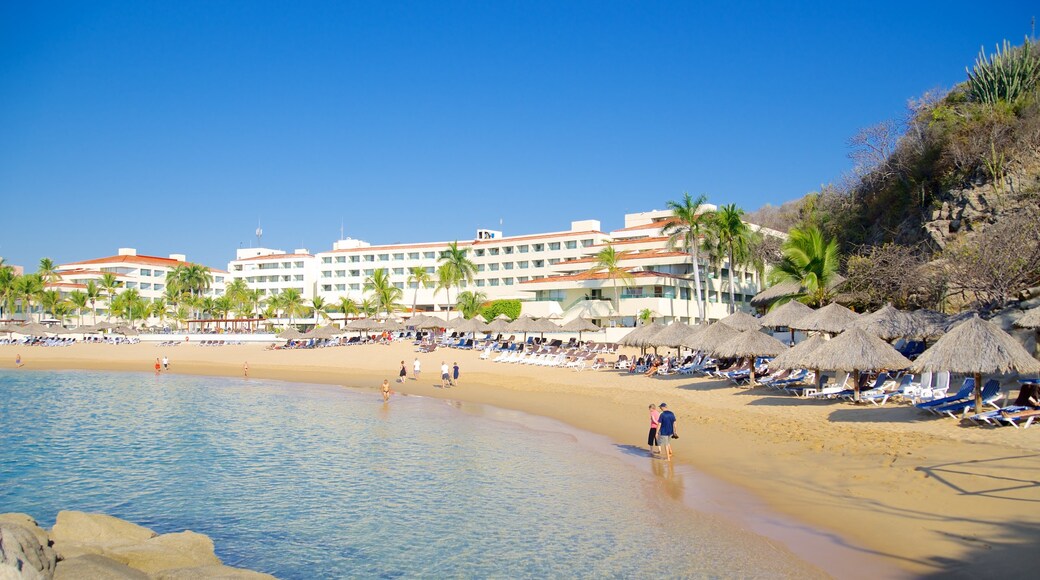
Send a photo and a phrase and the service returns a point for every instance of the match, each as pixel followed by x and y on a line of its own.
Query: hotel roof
pixel 631 255
pixel 136 259
pixel 600 276
pixel 466 243
pixel 650 226
pixel 273 257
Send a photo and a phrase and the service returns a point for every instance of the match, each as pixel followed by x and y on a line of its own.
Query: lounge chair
pixel 990 395
pixel 965 391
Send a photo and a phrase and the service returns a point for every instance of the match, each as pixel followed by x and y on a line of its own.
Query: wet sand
pixel 922 494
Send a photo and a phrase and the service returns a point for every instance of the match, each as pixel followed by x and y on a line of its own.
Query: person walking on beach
pixel 165 363
pixel 245 369
pixel 666 431
pixel 158 366
pixel 403 374
pixel 416 369
pixel 445 377
pixel 18 360
pixel 455 374
pixel 386 390
pixel 651 439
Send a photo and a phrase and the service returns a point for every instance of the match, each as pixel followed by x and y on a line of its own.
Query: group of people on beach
pixel 449 376
pixel 162 365
pixel 662 431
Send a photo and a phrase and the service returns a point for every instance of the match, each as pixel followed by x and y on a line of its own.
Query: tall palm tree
pixel 7 289
pixel 320 308
pixel 237 290
pixel 93 292
pixel 369 307
pixel 128 305
pixel 385 294
pixel 470 303
pixel 347 307
pixel 27 289
pixel 78 299
pixel 455 268
pixel 421 277
pixel 49 299
pixel 48 271
pixel 685 232
pixel 181 315
pixel 61 310
pixel 252 299
pixel 159 310
pixel 290 301
pixel 223 305
pixel 609 260
pixel 734 238
pixel 809 260
pixel 109 284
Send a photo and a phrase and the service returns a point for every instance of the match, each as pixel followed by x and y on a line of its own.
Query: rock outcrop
pixel 83 545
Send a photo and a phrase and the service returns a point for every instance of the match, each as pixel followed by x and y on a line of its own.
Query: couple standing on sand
pixel 662 430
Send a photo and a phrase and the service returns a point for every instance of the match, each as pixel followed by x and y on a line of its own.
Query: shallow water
pixel 312 481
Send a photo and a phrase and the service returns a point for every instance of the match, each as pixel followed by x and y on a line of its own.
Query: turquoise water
pixel 311 481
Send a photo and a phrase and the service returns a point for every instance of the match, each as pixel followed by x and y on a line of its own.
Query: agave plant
pixel 1006 75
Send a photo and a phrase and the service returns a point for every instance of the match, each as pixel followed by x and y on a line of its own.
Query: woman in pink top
pixel 651 439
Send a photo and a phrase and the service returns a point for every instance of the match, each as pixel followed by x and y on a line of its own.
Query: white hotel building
pixel 549 272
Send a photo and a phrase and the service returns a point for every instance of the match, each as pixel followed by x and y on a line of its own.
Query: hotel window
pixel 326 288
pixel 507 265
pixel 370 257
pixel 413 285
pixel 355 273
pixel 539 263
pixel 480 267
pixel 298 278
pixel 539 247
pixel 508 249
pixel 287 265
pixel 493 282
pixel 369 272
pixel 399 285
pixel 571 244
pixel 494 267
pixel 251 279
pixel 146 272
pixel 341 287
pixel 157 287
pixel 146 286
pixel 355 259
pixel 507 281
pixel 355 286
pixel 522 279
pixel 429 269
pixel 522 249
pixel 326 274
pixel 341 273
pixel 413 255
pixel 131 284
pixel 479 252
pixel 554 245
pixel 429 255
pixel 398 271
pixel 326 260
pixel 398 256
pixel 522 265
pixel 219 279
pixel 554 261
pixel 384 257
pixel 480 283
pixel 493 251
pixel 158 273
pixel 586 243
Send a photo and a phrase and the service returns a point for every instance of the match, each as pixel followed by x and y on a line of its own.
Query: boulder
pixel 98 529
pixel 93 566
pixel 168 551
pixel 27 522
pixel 211 573
pixel 23 556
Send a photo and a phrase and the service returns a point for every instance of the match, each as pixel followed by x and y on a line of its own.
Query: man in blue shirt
pixel 666 431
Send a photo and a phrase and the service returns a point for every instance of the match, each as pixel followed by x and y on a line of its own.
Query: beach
pixel 923 495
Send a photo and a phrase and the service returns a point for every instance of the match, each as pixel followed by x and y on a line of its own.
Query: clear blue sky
pixel 174 126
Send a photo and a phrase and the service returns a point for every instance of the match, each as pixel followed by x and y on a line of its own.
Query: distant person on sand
pixel 18 360
pixel 158 366
pixel 245 369
pixel 651 439
pixel 165 363
pixel 386 390
pixel 416 369
pixel 455 374
pixel 666 431
pixel 403 374
pixel 445 377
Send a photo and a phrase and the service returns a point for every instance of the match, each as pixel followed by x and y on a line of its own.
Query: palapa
pixel 499 324
pixel 742 321
pixel 33 329
pixel 853 351
pixel 750 344
pixel 786 314
pixel 711 337
pixel 636 337
pixel 1031 319
pixel 977 347
pixel 933 323
pixel 421 321
pixel 580 325
pixel 888 323
pixel 672 335
pixel 831 319
pixel 290 334
pixel 794 357
pixel 467 325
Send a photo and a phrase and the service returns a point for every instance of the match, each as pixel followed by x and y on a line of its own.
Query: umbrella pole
pixel 752 383
pixel 855 384
pixel 792 336
pixel 978 392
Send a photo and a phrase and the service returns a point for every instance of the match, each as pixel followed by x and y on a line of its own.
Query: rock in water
pixel 80 527
pixel 23 556
pixel 95 566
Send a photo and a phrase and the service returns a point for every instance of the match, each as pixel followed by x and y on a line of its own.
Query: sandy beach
pixel 921 494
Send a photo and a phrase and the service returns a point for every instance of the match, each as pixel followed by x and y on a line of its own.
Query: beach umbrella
pixel 1031 319
pixel 889 323
pixel 523 324
pixel 105 326
pixel 290 334
pixel 580 325
pixel 544 325
pixel 391 324
pixel 959 319
pixel 788 288
pixel 126 331
pixel 854 351
pixel 977 347
pixel 421 321
pixel 831 319
pixel 33 329
pixel 711 337
pixel 794 357
pixel 470 325
pixel 636 336
pixel 934 323
pixel 672 335
pixel 750 344
pixel 324 332
pixel 787 314
pixel 503 316
pixel 480 317
pixel 499 324
pixel 742 321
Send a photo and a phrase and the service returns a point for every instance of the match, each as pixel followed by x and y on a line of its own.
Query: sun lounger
pixel 990 395
pixel 965 391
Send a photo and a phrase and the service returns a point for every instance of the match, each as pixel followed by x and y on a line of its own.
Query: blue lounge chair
pixel 965 391
pixel 990 395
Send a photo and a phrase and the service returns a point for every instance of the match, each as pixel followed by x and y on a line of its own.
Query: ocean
pixel 317 481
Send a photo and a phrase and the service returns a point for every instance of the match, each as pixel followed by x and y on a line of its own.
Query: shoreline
pixel 925 496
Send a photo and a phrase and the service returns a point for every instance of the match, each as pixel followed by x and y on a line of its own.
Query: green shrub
pixel 510 308
pixel 1006 75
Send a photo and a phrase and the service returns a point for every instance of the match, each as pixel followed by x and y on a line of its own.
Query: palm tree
pixel 455 269
pixel 159 310
pixel 734 238
pixel 385 294
pixel 223 305
pixel 347 307
pixel 809 260
pixel 685 232
pixel 78 300
pixel 181 315
pixel 93 292
pixel 109 284
pixel 609 260
pixel 291 303
pixel 61 310
pixel 252 300
pixel 48 271
pixel 470 303
pixel 369 307
pixel 7 289
pixel 421 277
pixel 321 309
pixel 128 304
pixel 27 288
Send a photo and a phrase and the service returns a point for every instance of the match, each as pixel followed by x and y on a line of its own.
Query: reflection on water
pixel 307 481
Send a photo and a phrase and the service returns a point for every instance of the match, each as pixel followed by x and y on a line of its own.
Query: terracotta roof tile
pixel 138 259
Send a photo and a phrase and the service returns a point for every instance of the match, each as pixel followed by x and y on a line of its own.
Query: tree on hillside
pixel 609 260
pixel 685 232
pixel 811 261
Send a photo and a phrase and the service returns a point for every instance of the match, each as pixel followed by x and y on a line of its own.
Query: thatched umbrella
pixel 787 314
pixel 126 331
pixel 933 323
pixel 977 347
pixel 750 344
pixel 544 325
pixel 499 324
pixel 711 337
pixel 392 324
pixel 33 329
pixel 742 321
pixel 503 316
pixel 672 335
pixel 959 319
pixel 580 325
pixel 421 321
pixel 889 323
pixel 853 351
pixel 323 332
pixel 1031 319
pixel 793 357
pixel 467 325
pixel 290 334
pixel 831 319
pixel 637 336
